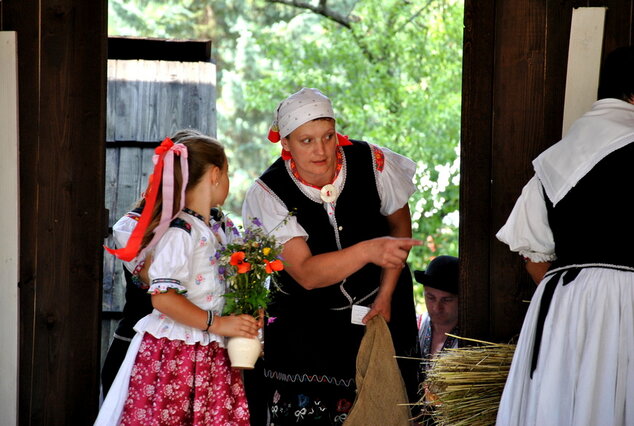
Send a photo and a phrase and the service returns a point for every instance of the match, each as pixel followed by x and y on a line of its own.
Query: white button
pixel 341 228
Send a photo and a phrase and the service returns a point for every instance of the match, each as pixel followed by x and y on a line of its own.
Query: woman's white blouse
pixel 186 262
pixel 394 184
pixel 527 231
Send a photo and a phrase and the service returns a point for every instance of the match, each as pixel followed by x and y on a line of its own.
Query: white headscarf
pixel 299 108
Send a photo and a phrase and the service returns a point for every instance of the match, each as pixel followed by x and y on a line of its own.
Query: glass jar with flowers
pixel 248 264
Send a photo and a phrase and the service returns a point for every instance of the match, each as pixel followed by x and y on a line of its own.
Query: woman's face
pixel 313 146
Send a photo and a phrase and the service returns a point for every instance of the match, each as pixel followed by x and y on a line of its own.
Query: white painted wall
pixel 9 220
pixel 584 62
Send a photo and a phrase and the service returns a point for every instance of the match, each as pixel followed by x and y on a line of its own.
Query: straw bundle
pixel 466 384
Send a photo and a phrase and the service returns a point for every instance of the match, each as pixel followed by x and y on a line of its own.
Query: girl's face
pixel 313 146
pixel 221 190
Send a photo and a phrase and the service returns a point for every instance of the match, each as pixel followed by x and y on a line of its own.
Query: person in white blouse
pixel 573 364
pixel 345 247
pixel 176 370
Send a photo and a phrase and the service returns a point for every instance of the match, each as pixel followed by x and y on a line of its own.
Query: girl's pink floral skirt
pixel 173 383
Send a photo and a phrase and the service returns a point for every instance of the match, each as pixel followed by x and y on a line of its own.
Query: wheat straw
pixel 468 383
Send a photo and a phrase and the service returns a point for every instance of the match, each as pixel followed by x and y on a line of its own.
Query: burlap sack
pixel 380 387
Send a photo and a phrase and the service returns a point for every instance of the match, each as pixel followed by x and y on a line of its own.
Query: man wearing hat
pixel 441 299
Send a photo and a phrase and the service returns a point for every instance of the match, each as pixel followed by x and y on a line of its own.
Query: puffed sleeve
pixel 262 204
pixel 121 232
pixel 395 174
pixel 527 231
pixel 171 263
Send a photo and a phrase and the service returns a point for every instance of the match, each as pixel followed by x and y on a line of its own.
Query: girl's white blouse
pixel 186 262
pixel 394 183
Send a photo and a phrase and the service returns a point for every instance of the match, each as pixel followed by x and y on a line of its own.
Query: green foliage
pixel 394 77
pixel 391 67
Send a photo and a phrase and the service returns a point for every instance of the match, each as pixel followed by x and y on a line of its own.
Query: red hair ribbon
pixel 163 159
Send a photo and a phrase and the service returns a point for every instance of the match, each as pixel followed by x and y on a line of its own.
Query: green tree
pixel 391 67
pixel 393 70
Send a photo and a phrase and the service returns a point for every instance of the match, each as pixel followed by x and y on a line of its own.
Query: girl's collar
pixel 193 213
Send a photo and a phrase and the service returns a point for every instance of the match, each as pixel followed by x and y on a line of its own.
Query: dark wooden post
pixel 62 83
pixel 515 59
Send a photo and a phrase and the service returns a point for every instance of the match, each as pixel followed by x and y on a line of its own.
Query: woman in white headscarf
pixel 574 362
pixel 345 248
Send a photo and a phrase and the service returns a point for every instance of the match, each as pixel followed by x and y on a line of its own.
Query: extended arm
pixel 329 268
pixel 400 225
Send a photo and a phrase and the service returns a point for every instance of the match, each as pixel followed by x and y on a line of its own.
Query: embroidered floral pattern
pixel 199 279
pixel 173 383
pixel 133 216
pixel 301 408
pixel 379 157
pixel 161 285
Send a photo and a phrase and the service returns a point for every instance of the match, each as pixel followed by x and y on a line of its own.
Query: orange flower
pixel 237 259
pixel 276 265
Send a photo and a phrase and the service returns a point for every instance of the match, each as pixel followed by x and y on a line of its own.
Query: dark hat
pixel 441 274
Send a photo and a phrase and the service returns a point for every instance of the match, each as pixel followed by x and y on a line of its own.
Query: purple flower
pixel 216 226
pixel 271 320
pixel 222 270
pixel 217 255
pixel 256 221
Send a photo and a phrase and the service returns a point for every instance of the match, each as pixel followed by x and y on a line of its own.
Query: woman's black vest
pixel 357 218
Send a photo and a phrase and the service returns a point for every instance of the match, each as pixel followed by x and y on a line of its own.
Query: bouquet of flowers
pixel 248 264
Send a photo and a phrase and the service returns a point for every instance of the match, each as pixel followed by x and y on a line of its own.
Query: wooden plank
pixel 475 179
pixel 129 180
pixel 22 17
pixel 61 59
pixel 112 183
pixel 159 49
pixel 517 137
pixel 149 100
pixel 10 219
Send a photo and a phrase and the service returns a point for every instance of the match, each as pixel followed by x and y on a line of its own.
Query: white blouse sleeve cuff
pixel 161 285
pixel 527 231
pixel 537 257
pixel 395 181
pixel 263 204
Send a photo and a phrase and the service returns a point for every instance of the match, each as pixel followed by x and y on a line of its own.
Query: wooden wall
pixel 62 98
pixel 515 59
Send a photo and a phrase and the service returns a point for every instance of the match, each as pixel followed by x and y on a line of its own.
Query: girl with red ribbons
pixel 176 370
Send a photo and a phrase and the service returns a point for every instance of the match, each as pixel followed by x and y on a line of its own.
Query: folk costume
pixel 173 373
pixel 137 303
pixel 573 362
pixel 310 344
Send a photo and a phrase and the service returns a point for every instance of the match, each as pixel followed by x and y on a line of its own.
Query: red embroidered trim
pixel 379 158
pixel 337 170
pixel 133 216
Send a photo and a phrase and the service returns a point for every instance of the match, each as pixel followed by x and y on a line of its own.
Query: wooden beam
pixel 154 49
pixel 62 83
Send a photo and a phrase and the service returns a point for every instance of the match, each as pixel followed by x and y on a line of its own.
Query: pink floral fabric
pixel 173 383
